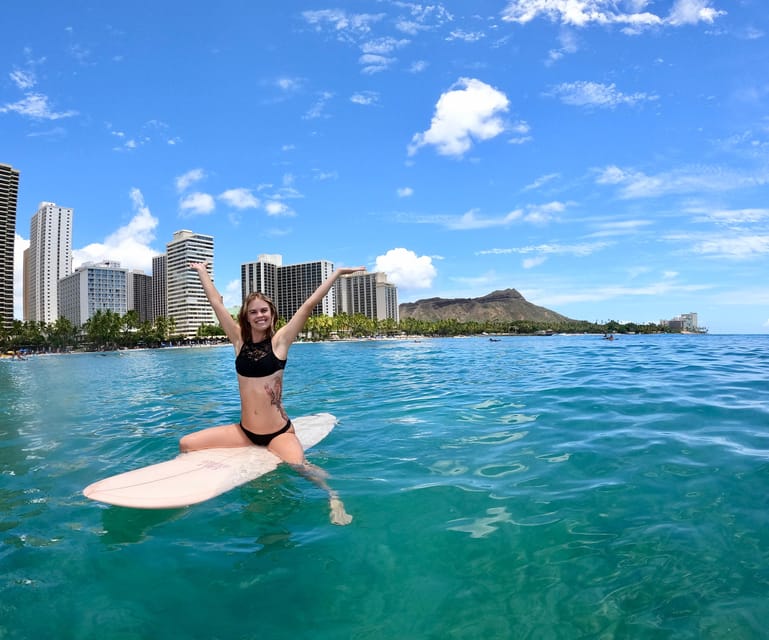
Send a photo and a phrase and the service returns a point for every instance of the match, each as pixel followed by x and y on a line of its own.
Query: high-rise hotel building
pixel 9 191
pixel 140 294
pixel 188 306
pixel 159 301
pixel 287 285
pixel 290 285
pixel 297 282
pixel 94 286
pixel 368 294
pixel 261 276
pixel 47 260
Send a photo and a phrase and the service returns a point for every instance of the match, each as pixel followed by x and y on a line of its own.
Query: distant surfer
pixel 261 355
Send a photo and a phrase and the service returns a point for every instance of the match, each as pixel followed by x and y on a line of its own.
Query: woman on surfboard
pixel 261 354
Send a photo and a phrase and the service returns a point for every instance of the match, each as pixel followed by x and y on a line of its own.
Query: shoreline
pixel 496 337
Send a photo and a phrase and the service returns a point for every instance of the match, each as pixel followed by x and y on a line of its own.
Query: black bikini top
pixel 256 360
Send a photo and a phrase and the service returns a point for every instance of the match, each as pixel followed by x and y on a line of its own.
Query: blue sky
pixel 607 158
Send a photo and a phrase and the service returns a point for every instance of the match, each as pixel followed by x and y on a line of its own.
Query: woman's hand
pixel 199 266
pixel 343 271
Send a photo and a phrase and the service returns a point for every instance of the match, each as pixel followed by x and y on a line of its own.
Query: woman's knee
pixel 186 443
pixel 288 449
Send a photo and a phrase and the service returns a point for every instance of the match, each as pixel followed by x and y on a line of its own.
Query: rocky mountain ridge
pixel 498 306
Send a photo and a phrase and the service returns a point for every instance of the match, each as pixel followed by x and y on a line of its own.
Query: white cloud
pixel 739 216
pixel 410 27
pixel 422 17
pixel 612 175
pixel 317 110
pixel 737 247
pixel 521 129
pixel 541 181
pixel 693 12
pixel 289 84
pixel 184 181
pixel 630 15
pixel 23 79
pixel 534 213
pixel 277 208
pixel 595 94
pixel 407 270
pixel 129 245
pixel 197 203
pixel 35 105
pixel 465 36
pixel 691 179
pixel 151 131
pixel 320 175
pixel 356 28
pixel 619 228
pixel 365 98
pixel 382 46
pixel 374 63
pixel 405 192
pixel 471 220
pixel 239 198
pixel 541 213
pixel 469 111
pixel 569 45
pixel 575 12
pixel 345 26
pixel 579 250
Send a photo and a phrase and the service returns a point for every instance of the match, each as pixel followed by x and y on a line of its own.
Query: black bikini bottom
pixel 263 439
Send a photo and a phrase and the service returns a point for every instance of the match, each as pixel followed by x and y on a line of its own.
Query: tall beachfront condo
pixel 261 276
pixel 369 294
pixel 140 294
pixel 100 286
pixel 9 192
pixel 297 282
pixel 690 321
pixel 48 260
pixel 187 303
pixel 159 299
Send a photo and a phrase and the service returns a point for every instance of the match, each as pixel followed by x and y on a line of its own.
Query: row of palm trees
pixel 110 330
pixel 103 330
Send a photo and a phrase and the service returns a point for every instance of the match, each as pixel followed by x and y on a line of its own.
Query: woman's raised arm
pixel 286 335
pixel 216 301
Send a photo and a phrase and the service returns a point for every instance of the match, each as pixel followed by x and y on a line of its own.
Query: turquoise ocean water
pixel 543 487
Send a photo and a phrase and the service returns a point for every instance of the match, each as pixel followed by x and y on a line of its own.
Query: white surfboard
pixel 200 475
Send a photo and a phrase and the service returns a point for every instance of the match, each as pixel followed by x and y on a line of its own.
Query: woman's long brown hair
pixel 245 327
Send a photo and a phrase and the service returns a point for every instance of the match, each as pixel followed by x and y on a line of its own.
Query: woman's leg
pixel 228 435
pixel 288 448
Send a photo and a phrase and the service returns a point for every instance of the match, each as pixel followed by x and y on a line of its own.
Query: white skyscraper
pixel 101 286
pixel 368 294
pixel 48 259
pixel 187 302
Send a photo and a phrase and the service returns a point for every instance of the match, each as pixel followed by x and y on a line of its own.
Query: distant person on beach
pixel 261 355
